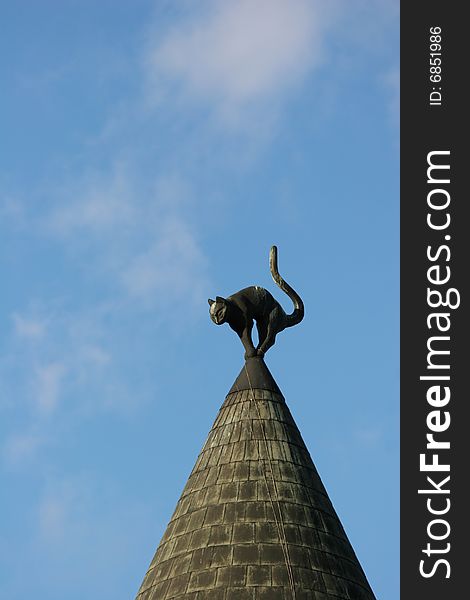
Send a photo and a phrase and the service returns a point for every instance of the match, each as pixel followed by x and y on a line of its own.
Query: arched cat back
pixel 257 304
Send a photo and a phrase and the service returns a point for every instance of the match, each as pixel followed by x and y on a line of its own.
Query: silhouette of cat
pixel 256 304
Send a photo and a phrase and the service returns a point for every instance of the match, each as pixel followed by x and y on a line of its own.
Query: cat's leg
pixel 262 328
pixel 247 341
pixel 268 341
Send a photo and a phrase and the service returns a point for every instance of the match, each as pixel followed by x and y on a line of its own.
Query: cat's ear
pixel 219 299
pixel 211 302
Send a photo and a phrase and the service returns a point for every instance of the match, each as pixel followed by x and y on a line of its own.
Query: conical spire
pixel 254 520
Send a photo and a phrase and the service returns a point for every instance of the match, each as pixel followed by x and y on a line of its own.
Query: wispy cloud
pixel 96 356
pixel 12 210
pixel 97 203
pixel 29 327
pixel 236 54
pixel 63 507
pixel 140 236
pixel 21 447
pixel 170 268
pixel 49 379
pixel 52 517
pixel 55 371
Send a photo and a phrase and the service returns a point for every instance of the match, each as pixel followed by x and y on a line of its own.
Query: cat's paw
pixel 250 353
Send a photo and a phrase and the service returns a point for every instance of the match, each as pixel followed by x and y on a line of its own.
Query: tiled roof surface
pixel 254 520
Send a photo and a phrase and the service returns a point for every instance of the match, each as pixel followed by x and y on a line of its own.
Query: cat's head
pixel 218 310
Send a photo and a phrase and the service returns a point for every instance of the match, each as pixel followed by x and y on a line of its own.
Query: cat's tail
pixel 298 314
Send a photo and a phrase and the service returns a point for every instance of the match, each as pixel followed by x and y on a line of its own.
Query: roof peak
pixel 255 375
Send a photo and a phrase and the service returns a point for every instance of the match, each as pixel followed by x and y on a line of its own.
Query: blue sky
pixel 152 152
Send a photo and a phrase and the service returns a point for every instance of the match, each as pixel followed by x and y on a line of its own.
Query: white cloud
pixel 12 209
pixel 170 269
pixel 240 52
pixel 21 447
pixel 28 327
pixel 98 204
pixel 96 356
pixel 48 381
pixel 75 350
pixel 62 508
pixel 52 516
pixel 140 238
